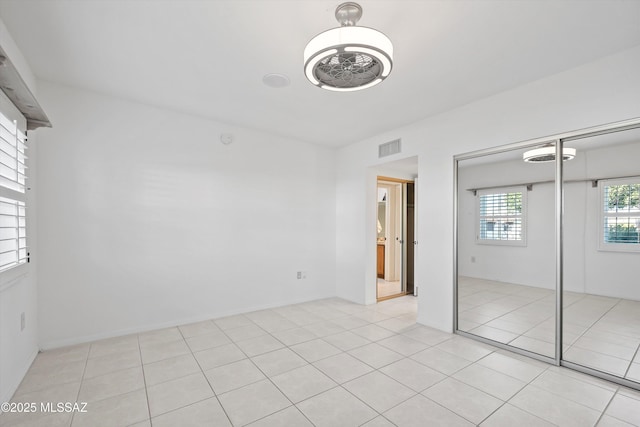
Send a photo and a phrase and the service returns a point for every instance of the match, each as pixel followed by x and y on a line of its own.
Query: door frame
pixel 403 233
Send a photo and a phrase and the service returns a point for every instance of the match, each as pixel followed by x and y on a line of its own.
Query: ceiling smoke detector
pixel 226 138
pixel 348 58
pixel 276 80
pixel 547 154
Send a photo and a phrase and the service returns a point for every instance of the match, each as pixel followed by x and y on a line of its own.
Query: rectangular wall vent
pixel 389 148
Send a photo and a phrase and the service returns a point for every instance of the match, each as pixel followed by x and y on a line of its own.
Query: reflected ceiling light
pixel 348 58
pixel 547 154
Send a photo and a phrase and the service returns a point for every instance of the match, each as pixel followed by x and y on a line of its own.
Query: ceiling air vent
pixel 389 148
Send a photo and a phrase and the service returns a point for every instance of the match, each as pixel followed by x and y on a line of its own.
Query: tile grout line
pixel 295 405
pixel 441 405
pixel 311 364
pixel 637 352
pixel 267 377
pixel 530 383
pixel 591 326
pixel 308 363
pixel 548 392
pixel 450 376
pixel 474 387
pixel 607 406
pixel 144 379
pixel 523 334
pixel 84 370
pixel 205 377
pixel 583 297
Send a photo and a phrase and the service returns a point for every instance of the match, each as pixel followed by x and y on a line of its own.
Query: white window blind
pixel 13 176
pixel 501 216
pixel 620 209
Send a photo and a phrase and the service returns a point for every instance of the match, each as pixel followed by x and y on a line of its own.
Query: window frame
pixel 606 246
pixel 15 192
pixel 523 216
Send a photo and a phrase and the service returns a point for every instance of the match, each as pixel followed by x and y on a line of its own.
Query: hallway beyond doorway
pixel 388 289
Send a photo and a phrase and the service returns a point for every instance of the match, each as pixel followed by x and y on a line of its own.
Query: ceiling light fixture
pixel 348 58
pixel 547 154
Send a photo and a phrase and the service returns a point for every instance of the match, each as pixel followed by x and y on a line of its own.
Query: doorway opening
pixel 395 238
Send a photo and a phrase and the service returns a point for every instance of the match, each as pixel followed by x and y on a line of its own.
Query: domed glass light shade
pixel 348 58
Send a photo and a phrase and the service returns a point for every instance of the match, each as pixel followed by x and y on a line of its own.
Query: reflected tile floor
pixel 599 332
pixel 322 363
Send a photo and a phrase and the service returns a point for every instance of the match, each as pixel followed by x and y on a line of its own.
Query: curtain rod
pixel 529 185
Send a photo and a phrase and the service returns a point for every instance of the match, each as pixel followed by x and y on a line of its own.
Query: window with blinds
pixel 13 176
pixel 620 208
pixel 501 216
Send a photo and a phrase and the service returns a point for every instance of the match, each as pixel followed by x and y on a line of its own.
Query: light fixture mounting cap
pixel 348 14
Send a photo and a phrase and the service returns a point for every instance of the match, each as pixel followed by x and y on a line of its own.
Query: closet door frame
pixel 558 140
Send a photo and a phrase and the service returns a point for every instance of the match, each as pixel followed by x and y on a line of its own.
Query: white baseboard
pixel 49 345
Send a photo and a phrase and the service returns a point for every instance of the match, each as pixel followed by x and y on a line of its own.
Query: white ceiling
pixel 208 57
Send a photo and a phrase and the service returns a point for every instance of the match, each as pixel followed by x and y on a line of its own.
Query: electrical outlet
pixel 473 259
pixel 299 274
pixel 302 275
pixel 22 321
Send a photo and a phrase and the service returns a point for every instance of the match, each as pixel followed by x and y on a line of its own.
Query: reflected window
pixel 502 216
pixel 620 215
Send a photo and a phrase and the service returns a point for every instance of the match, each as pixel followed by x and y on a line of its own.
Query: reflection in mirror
pixel 382 215
pixel 601 320
pixel 506 249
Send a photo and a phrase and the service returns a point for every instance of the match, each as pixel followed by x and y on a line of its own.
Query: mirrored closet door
pixel 506 250
pixel 548 252
pixel 601 280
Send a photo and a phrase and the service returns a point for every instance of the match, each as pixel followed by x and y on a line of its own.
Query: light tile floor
pixel 323 363
pixel 387 288
pixel 599 332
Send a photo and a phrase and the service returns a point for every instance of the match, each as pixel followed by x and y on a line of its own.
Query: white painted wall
pixel 586 269
pixel 600 92
pixel 18 286
pixel 147 220
pixel 612 274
